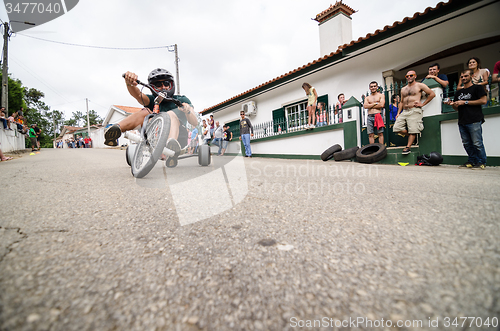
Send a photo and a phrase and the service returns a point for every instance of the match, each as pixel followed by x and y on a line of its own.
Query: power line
pixel 99 47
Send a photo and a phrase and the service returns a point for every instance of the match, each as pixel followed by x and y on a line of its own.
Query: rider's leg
pixel 134 120
pixel 114 131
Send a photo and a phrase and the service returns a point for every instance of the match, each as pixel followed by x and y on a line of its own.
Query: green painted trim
pixel 431 83
pixel 288 156
pixel 350 134
pixel 352 102
pixel 301 132
pixel 461 159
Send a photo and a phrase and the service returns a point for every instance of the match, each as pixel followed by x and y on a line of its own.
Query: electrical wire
pixel 99 47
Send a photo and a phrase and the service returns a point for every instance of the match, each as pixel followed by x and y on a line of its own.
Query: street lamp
pixel 5 66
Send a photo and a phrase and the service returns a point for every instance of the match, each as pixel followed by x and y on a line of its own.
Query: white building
pixel 449 34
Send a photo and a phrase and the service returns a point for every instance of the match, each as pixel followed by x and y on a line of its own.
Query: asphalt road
pixel 245 244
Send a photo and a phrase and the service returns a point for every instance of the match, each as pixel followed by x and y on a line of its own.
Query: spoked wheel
pixel 149 150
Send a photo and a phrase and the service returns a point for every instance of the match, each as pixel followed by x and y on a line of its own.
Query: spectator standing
pixel 211 124
pixel 38 133
pixel 321 115
pixel 468 102
pixel 86 140
pixel 194 141
pixel 218 135
pixel 374 103
pixel 393 107
pixel 32 135
pixel 206 133
pixel 246 131
pixel 442 79
pixel 496 70
pixel 228 136
pixel 312 100
pixel 338 107
pixel 479 75
pixel 410 113
pixel 20 112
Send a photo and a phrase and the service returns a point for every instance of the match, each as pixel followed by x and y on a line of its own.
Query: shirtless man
pixel 410 109
pixel 374 103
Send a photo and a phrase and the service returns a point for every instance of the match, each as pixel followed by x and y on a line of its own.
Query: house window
pixel 297 115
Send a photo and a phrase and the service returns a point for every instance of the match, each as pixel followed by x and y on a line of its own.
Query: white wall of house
pixel 11 140
pixel 316 143
pixel 451 143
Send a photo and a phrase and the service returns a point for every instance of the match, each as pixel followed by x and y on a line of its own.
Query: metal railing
pixel 297 122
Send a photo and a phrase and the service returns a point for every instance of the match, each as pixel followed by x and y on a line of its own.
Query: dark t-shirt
pixel 468 114
pixel 245 126
pixel 166 106
pixel 227 135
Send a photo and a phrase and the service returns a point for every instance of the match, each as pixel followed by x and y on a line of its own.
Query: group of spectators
pixel 212 132
pixel 17 121
pixel 79 142
pixel 470 97
pixel 318 114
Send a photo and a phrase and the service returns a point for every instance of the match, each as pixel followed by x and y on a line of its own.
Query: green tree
pixel 16 94
pixel 37 112
pixel 94 118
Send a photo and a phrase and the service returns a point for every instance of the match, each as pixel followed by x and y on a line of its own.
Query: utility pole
pixel 5 69
pixel 5 64
pixel 177 69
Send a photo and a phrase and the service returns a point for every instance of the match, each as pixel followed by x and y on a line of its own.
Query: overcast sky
pixel 225 47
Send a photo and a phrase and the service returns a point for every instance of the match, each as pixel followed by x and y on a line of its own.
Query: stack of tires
pixel 367 154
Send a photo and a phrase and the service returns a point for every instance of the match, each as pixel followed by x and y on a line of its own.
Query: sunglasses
pixel 409 76
pixel 242 113
pixel 162 83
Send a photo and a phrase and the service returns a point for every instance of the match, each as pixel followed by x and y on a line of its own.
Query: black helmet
pixel 162 75
pixel 435 158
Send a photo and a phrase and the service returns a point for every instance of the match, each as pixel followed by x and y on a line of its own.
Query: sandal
pixel 406 151
pixel 8 158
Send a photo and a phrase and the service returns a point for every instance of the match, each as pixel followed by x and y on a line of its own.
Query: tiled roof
pixel 130 110
pixel 333 10
pixel 70 129
pixel 339 50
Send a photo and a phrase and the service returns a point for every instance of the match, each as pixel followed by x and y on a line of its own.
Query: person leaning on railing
pixel 479 75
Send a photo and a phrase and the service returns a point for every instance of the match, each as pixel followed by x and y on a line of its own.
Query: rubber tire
pixel 204 156
pixel 141 167
pixel 328 154
pixel 346 154
pixel 129 153
pixel 371 153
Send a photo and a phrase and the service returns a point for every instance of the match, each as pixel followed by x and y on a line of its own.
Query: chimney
pixel 335 27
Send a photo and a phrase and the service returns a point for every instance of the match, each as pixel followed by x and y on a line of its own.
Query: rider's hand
pixel 130 78
pixel 184 108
